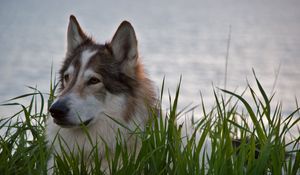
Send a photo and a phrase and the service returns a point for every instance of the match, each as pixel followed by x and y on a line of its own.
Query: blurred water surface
pixel 187 38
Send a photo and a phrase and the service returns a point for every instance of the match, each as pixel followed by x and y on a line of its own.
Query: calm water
pixel 187 38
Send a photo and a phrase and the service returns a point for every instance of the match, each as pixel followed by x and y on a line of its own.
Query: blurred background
pixel 188 38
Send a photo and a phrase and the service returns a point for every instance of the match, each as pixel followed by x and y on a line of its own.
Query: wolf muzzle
pixel 59 110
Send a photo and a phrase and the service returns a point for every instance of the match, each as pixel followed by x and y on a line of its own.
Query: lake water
pixel 187 38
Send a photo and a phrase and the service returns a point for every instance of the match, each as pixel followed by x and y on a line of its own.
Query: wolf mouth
pixel 66 124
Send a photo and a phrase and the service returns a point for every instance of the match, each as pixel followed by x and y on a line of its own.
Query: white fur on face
pixel 80 106
pixel 89 73
pixel 83 109
pixel 87 105
pixel 70 70
pixel 90 107
pixel 85 58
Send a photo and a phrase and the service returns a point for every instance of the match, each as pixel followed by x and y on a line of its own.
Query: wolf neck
pixel 138 107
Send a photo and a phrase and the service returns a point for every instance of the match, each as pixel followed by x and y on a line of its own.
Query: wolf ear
pixel 75 34
pixel 124 47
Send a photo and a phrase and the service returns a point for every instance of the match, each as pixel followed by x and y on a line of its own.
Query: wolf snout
pixel 59 110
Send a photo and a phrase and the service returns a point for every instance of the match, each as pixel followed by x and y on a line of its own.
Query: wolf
pixel 101 87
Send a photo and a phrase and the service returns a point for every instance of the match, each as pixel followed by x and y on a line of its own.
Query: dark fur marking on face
pixel 104 63
pixel 114 80
pixel 73 59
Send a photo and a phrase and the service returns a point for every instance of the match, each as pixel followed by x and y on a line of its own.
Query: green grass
pixel 163 147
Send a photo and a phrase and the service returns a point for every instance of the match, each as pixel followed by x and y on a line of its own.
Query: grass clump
pixel 221 141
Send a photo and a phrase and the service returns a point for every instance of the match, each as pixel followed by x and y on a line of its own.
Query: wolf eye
pixel 93 80
pixel 66 77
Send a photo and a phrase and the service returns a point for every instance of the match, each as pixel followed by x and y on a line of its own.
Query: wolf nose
pixel 58 110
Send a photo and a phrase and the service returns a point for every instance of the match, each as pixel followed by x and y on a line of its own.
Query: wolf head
pixel 100 80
